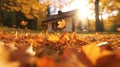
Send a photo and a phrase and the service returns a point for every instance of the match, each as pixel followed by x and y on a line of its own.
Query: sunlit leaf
pixel 61 24
pixel 93 52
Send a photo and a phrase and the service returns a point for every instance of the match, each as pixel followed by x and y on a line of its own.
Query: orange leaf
pixel 45 62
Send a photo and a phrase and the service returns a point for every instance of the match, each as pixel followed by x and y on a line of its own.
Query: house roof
pixel 60 16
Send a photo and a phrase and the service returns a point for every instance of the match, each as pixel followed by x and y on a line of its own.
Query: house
pixel 72 22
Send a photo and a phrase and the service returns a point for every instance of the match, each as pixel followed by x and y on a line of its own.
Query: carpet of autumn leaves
pixel 20 49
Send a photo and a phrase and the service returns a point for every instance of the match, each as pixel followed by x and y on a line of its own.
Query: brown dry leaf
pixel 64 37
pixel 73 35
pixel 39 39
pixel 93 52
pixel 20 55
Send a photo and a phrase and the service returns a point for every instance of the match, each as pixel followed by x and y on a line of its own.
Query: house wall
pixel 69 26
pixel 78 24
pixel 50 26
pixel 75 22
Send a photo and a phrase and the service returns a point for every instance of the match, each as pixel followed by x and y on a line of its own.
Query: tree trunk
pixel 102 20
pixel 98 24
pixel 0 11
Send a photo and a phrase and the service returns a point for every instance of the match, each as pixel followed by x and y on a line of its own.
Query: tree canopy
pixel 30 8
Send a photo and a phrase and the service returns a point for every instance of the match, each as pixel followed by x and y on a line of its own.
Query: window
pixel 54 25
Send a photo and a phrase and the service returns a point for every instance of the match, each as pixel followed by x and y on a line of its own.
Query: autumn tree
pixel 106 7
pixel 98 23
pixel 111 7
pixel 31 9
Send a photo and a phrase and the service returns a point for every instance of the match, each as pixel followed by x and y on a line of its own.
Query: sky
pixel 83 6
pixel 75 4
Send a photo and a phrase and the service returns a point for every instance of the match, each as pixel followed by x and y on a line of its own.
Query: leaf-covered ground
pixel 23 49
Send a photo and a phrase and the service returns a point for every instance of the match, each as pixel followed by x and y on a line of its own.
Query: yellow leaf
pixel 61 24
pixel 94 52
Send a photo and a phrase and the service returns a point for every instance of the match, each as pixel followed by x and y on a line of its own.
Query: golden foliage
pixel 31 8
pixel 53 38
pixel 25 9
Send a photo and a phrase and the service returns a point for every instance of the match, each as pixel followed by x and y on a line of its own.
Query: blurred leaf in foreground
pixel 94 52
pixel 5 59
